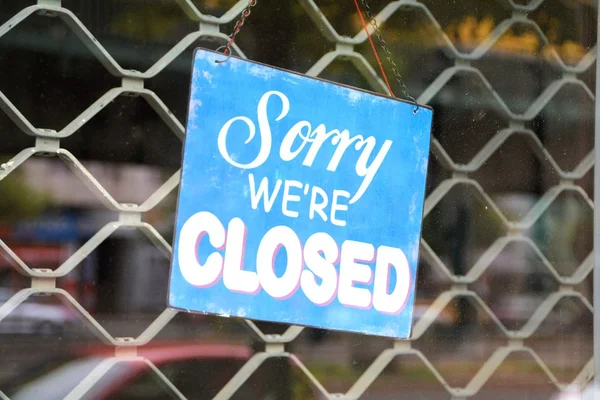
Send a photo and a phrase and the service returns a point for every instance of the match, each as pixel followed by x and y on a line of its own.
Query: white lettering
pixel 191 233
pixel 317 207
pixel 234 277
pixel 352 272
pixel 319 135
pixel 342 141
pixel 338 207
pixel 285 286
pixel 368 172
pixel 288 197
pixel 321 266
pixel 320 280
pixel 285 152
pixel 303 130
pixel 263 192
pixel 395 301
pixel 265 131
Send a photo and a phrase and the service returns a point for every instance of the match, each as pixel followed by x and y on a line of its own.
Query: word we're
pixel 319 267
pixel 298 137
pixel 291 192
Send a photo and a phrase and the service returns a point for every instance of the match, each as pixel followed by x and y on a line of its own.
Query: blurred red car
pixel 198 371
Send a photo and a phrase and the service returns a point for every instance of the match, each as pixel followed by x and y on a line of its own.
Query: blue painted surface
pixel 389 212
pixel 50 227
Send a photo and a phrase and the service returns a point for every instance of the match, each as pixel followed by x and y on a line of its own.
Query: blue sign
pixel 300 201
pixel 48 228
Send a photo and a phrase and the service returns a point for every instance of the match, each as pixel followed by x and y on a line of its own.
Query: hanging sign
pixel 300 200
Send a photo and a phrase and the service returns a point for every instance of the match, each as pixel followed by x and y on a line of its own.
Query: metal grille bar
pixel 130 215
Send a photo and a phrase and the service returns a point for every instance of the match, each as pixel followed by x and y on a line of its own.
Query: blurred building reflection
pixel 47 213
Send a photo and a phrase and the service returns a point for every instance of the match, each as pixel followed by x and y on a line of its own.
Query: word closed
pixel 300 200
pixel 305 267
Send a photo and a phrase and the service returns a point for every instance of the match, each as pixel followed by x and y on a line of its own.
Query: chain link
pixel 388 54
pixel 238 26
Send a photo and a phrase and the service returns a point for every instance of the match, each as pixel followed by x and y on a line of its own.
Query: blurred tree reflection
pixel 19 200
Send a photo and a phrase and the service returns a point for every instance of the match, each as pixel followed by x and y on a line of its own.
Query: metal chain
pixel 238 27
pixel 388 54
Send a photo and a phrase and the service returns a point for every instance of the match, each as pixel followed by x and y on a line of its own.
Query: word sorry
pixel 302 131
pixel 311 267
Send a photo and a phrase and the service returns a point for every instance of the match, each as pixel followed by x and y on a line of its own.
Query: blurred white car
pixel 35 317
pixel 591 392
